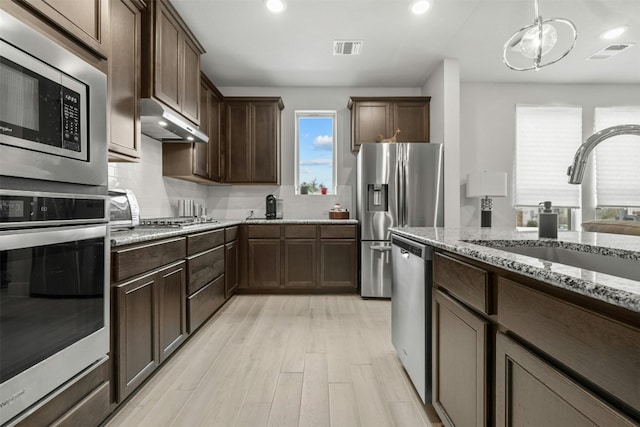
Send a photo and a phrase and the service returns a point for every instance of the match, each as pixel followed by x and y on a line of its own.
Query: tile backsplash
pixel 157 196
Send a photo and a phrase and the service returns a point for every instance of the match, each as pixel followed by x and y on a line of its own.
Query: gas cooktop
pixel 175 222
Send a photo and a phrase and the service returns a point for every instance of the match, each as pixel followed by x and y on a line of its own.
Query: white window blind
pixel 546 140
pixel 617 159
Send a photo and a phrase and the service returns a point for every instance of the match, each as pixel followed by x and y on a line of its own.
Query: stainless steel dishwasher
pixel 411 310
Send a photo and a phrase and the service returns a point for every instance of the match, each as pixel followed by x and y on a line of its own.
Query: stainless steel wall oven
pixel 54 293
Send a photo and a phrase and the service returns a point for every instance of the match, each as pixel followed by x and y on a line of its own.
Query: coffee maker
pixel 271 207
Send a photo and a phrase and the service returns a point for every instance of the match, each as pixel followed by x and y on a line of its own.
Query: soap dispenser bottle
pixel 548 220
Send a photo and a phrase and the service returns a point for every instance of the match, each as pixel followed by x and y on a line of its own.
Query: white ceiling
pixel 249 46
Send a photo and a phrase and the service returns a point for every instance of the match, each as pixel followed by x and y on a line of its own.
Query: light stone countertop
pixel 146 233
pixel 615 290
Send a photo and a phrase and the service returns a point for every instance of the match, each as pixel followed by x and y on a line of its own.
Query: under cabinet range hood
pixel 158 122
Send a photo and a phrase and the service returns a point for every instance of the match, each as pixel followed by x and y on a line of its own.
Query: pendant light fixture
pixel 537 40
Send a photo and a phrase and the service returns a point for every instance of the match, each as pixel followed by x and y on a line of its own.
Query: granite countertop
pixel 615 290
pixel 142 234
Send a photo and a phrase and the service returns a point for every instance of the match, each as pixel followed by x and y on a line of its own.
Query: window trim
pixel 333 114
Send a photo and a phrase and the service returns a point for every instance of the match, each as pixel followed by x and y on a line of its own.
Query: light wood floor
pixel 270 360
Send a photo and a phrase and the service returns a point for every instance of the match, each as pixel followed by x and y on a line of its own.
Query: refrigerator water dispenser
pixel 377 197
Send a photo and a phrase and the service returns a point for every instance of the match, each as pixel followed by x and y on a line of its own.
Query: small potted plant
pixel 304 188
pixel 323 189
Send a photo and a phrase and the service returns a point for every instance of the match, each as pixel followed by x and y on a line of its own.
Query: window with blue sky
pixel 316 153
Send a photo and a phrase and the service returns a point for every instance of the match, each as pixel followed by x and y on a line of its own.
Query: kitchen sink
pixel 608 264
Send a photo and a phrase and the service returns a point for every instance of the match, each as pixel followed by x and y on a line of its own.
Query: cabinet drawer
pixel 264 231
pixel 300 231
pixel 203 268
pixel 552 397
pixel 230 234
pixel 338 231
pixel 596 347
pixel 92 410
pixel 468 283
pixel 203 241
pixel 135 260
pixel 205 302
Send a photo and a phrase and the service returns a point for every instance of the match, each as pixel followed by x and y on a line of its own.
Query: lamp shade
pixel 491 184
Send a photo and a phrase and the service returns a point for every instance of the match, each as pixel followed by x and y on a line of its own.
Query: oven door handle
pixel 34 237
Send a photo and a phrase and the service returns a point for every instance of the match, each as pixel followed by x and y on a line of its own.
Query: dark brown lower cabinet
pixel 338 264
pixel 205 302
pixel 299 263
pixel 85 401
pixel 460 363
pixel 531 392
pixel 231 267
pixel 301 258
pixel 513 351
pixel 172 310
pixel 264 263
pixel 150 324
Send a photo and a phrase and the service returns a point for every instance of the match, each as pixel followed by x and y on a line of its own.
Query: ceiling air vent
pixel 341 47
pixel 609 51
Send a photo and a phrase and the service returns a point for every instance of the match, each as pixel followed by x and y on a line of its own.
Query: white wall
pixel 443 85
pixel 488 133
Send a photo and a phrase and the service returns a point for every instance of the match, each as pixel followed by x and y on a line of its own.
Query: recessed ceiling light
pixel 190 138
pixel 614 33
pixel 161 123
pixel 419 7
pixel 275 6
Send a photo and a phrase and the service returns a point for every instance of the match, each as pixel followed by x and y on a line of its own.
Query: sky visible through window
pixel 316 141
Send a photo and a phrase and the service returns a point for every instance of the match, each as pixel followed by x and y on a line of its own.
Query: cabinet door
pixel 172 315
pixel 264 142
pixel 338 264
pixel 201 151
pixel 124 81
pixel 231 268
pixel 530 392
pixel 369 120
pixel 214 128
pixel 237 153
pixel 300 262
pixel 136 352
pixel 264 263
pixel 190 79
pixel 86 21
pixel 459 363
pixel 412 118
pixel 169 63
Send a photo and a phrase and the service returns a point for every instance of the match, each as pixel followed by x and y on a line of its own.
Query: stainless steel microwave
pixel 53 110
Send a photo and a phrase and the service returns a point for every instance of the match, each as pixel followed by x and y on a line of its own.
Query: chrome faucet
pixel 576 170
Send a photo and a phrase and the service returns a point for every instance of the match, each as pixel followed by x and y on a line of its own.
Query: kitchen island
pixel 528 340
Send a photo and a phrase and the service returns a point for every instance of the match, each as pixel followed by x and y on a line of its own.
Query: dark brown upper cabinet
pixel 375 118
pixel 124 80
pixel 199 162
pixel 252 140
pixel 86 21
pixel 171 60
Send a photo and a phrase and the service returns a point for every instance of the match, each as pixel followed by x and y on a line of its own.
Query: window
pixel 315 152
pixel 547 138
pixel 617 160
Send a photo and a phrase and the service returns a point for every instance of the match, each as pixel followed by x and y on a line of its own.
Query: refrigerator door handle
pixel 401 165
pixel 381 248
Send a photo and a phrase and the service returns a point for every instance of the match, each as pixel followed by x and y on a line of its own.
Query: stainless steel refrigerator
pixel 398 184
